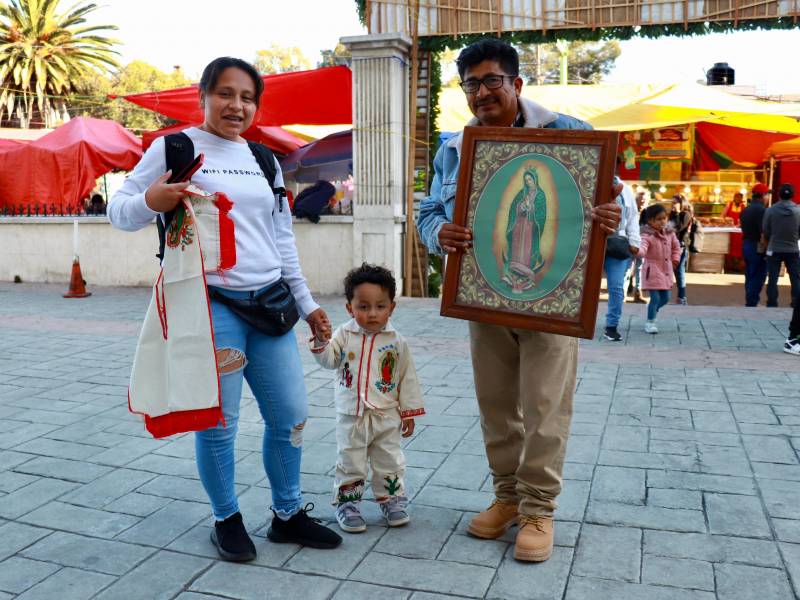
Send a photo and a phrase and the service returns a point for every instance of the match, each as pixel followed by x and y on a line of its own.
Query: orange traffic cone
pixel 77 286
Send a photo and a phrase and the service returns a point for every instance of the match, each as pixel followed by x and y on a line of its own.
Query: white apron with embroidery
pixel 174 380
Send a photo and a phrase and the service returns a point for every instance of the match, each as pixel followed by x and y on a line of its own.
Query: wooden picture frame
pixel 537 256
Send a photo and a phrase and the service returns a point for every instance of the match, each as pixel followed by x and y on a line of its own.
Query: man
pixel 524 380
pixel 616 268
pixel 635 274
pixel 781 231
pixel 755 263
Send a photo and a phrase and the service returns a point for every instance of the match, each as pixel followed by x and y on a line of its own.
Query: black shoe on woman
pixel 231 539
pixel 302 529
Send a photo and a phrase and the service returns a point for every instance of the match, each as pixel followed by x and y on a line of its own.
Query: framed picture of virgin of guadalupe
pixel 537 257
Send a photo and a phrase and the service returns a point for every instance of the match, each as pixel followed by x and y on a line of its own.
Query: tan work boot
pixel 534 538
pixel 494 521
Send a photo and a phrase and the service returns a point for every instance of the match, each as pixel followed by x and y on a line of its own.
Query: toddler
pixel 377 397
pixel 661 252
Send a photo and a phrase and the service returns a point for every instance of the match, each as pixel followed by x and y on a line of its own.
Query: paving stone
pixel 769 449
pixel 572 500
pixel 736 515
pixel 474 551
pixel 177 488
pixel 781 498
pixel 787 530
pixel 648 517
pixel 721 460
pixel 91 554
pixel 443 497
pixel 166 524
pixel 753 413
pixel 700 481
pixel 713 421
pixel 620 546
pixel 791 554
pixel 138 505
pixel 246 581
pixel 424 536
pixel 71 470
pixel 712 548
pixel 581 588
pixel 524 581
pixel 351 590
pixel 32 496
pixel 106 489
pixel 18 574
pixel 462 471
pixel 342 561
pixel 647 460
pixel 737 582
pixel 426 575
pixel 68 584
pixel 690 500
pixel 619 484
pixel 160 577
pixel 776 471
pixel 678 572
pixel 87 521
pixel 10 481
pixel 583 448
pixel 437 439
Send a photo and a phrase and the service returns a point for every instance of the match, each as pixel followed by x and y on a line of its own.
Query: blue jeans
pixel 792 262
pixel 275 375
pixel 755 272
pixel 615 278
pixel 658 299
pixel 680 273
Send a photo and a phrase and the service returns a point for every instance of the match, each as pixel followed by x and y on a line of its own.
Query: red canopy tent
pixel 6 145
pixel 317 97
pixel 275 138
pixel 61 167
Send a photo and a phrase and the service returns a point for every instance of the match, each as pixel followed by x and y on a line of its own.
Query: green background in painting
pixel 568 233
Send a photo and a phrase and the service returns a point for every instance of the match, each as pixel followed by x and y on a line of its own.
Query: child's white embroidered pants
pixel 374 436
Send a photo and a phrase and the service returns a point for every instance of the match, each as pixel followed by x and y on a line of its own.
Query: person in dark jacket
pixel 782 230
pixel 680 220
pixel 313 201
pixel 753 250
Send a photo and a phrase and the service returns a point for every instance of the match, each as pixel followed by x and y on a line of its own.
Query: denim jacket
pixel 436 209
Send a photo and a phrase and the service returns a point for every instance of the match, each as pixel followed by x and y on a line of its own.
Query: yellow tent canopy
pixel 626 107
pixel 788 149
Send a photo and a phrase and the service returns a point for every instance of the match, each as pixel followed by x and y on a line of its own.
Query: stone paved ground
pixel 682 475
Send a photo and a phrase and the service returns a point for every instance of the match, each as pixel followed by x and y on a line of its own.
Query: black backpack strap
pixel 179 151
pixel 266 160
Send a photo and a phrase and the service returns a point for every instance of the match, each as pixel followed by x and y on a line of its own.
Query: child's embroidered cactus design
pixel 352 492
pixel 392 485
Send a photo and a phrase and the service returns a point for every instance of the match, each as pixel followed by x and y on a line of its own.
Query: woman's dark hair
pixel 786 192
pixel 367 273
pixel 489 49
pixel 653 211
pixel 208 81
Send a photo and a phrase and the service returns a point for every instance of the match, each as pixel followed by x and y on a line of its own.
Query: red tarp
pixel 275 138
pixel 318 97
pixel 722 147
pixel 61 167
pixel 6 145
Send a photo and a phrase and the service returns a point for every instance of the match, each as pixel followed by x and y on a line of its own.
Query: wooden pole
pixel 408 255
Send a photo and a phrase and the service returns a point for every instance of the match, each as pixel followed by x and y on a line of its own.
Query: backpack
pixel 179 151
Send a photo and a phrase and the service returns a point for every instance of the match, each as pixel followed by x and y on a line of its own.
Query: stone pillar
pixel 380 130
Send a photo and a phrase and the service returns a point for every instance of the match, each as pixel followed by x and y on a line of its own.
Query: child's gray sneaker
pixel 395 511
pixel 349 518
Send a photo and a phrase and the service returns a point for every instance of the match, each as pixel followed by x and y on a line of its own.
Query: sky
pixel 190 33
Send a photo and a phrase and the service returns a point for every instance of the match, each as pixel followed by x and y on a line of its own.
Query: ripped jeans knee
pixel 230 360
pixel 296 438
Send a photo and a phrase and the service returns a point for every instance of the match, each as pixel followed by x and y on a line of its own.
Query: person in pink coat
pixel 661 252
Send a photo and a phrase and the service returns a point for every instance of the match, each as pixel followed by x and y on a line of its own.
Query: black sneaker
pixel 231 539
pixel 612 335
pixel 304 530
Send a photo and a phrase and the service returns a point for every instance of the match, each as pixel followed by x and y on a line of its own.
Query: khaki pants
pixel 525 382
pixel 373 436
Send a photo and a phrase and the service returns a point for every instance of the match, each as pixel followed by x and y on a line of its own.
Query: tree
pixel 277 59
pixel 338 56
pixel 43 53
pixel 587 62
pixel 134 78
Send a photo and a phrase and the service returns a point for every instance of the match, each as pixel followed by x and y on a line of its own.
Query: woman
pixel 680 221
pixel 523 256
pixel 230 90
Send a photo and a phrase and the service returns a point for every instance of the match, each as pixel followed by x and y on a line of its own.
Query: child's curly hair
pixel 367 273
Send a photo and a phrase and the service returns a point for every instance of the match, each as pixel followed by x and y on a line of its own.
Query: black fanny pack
pixel 617 246
pixel 273 311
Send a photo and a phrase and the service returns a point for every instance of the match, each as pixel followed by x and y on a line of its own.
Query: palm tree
pixel 43 53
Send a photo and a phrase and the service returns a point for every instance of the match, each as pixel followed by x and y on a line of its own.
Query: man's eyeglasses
pixel 492 82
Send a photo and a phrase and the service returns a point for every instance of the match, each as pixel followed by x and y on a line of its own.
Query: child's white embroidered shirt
pixel 373 371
